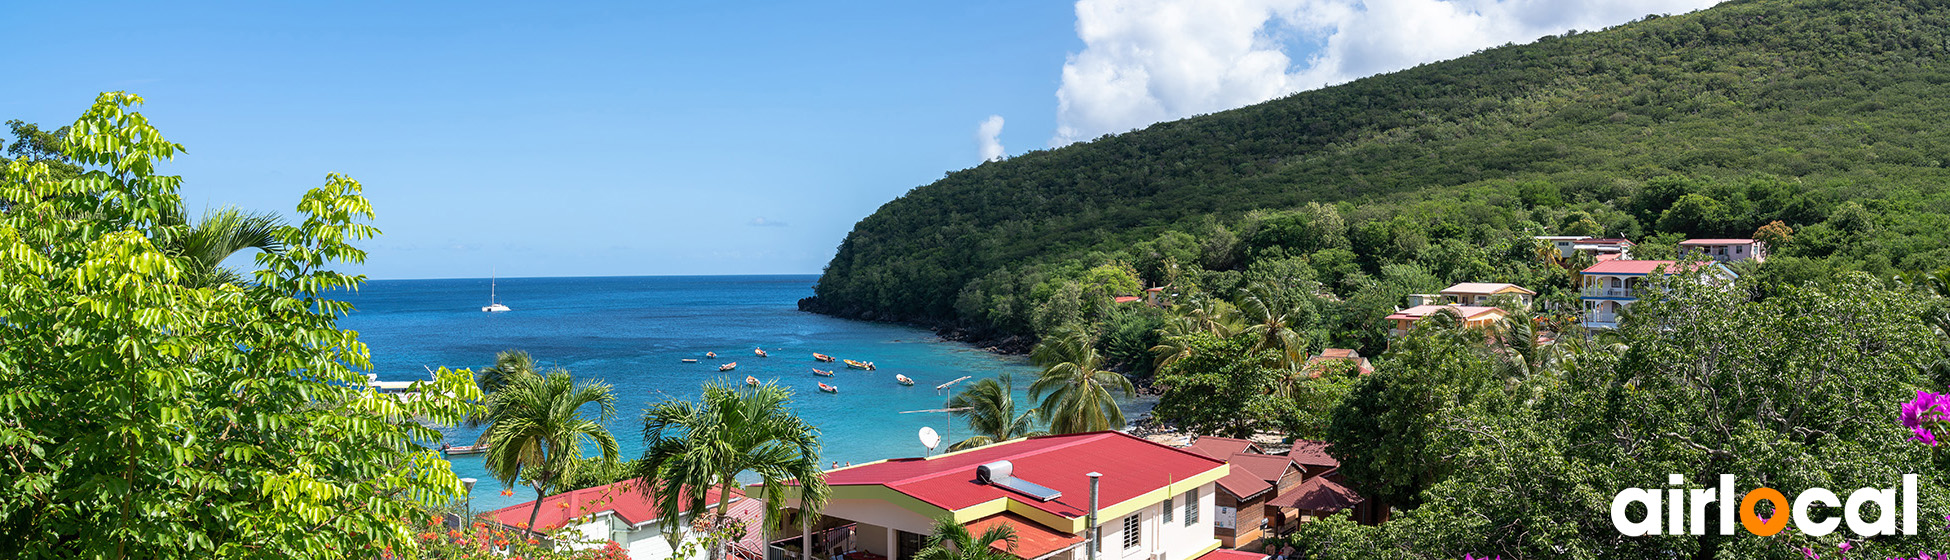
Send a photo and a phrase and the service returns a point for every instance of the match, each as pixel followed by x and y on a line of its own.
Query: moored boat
pixel 902 379
pixel 690 360
pixel 824 388
pixel 822 357
pixel 710 354
pixel 752 381
pixel 760 352
pixel 463 449
pixel 728 367
pixel 826 373
pixel 855 364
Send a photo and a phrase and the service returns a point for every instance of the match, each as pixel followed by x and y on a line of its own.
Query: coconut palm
pixel 1198 314
pixel 991 411
pixel 536 430
pixel 691 447
pixel 952 541
pixel 201 247
pixel 1076 394
pixel 508 366
pixel 1277 323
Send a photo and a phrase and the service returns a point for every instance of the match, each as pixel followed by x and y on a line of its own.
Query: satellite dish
pixel 929 438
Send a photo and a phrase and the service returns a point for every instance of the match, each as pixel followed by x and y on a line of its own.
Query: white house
pixel 1611 286
pixel 1723 250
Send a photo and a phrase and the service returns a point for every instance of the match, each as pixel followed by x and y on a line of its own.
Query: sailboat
pixel 493 307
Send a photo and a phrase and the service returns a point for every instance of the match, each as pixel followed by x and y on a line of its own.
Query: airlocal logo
pixel 1680 502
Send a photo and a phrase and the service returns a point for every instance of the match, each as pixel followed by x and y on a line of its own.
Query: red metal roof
pixel 1312 453
pixel 1418 312
pixel 1633 267
pixel 1033 540
pixel 1230 554
pixel 1221 447
pixel 1131 467
pixel 1267 467
pixel 1717 242
pixel 1339 353
pixel 1318 494
pixel 1124 299
pixel 1243 484
pixel 626 498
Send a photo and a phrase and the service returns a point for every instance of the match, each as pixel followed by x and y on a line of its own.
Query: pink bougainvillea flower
pixel 1809 553
pixel 1845 546
pixel 1926 409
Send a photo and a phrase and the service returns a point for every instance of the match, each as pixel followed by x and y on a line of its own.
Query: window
pixel 908 544
pixel 1167 510
pixel 1191 507
pixel 1131 534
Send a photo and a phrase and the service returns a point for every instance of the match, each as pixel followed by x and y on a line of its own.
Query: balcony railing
pixel 1601 291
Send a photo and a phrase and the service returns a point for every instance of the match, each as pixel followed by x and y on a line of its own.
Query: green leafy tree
pixel 536 430
pixel 1076 393
pixel 1384 431
pixel 952 541
pixel 146 416
pixel 1216 388
pixel 991 412
pixel 691 447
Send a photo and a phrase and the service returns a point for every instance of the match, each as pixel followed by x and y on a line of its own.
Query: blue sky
pixel 558 139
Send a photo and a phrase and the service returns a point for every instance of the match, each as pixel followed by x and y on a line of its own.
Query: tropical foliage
pixel 952 541
pixel 1076 393
pixel 146 413
pixel 537 432
pixel 990 410
pixel 693 446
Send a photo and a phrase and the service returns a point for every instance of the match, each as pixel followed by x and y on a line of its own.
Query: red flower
pixel 533 541
pixel 507 492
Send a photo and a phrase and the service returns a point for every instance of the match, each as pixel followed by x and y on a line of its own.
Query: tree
pixel 952 541
pixel 509 365
pixel 991 405
pixel 1076 393
pixel 204 245
pixel 143 416
pixel 690 447
pixel 1384 430
pixel 1214 389
pixel 1279 322
pixel 536 430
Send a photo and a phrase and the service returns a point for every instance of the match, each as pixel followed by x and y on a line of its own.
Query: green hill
pixel 1825 115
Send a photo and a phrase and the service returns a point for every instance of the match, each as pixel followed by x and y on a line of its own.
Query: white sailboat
pixel 493 307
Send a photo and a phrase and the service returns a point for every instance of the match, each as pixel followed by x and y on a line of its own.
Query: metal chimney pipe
pixel 1091 524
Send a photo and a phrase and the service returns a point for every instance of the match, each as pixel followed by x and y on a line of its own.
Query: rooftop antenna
pixel 938 388
pixel 926 431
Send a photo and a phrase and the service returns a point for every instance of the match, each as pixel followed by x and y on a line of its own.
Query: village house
pixel 1329 356
pixel 1612 286
pixel 1480 293
pixel 1472 316
pixel 1600 248
pixel 1270 495
pixel 1151 501
pixel 1723 250
pixel 620 513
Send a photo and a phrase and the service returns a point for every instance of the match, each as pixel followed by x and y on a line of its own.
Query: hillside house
pixel 1600 248
pixel 1480 293
pixel 1612 286
pixel 1153 501
pixel 1329 356
pixel 1723 250
pixel 1472 316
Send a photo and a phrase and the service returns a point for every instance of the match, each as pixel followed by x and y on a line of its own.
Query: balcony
pixel 1605 292
pixel 1596 321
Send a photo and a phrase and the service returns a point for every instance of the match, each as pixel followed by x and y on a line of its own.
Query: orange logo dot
pixel 1752 521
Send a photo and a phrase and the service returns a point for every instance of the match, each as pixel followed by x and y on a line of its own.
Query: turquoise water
pixel 632 332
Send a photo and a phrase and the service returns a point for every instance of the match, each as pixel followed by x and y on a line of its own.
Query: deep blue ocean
pixel 633 332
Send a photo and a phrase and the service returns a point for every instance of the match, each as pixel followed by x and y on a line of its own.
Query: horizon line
pixel 606 276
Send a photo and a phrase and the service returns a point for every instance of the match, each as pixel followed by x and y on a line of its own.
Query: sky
pixel 629 138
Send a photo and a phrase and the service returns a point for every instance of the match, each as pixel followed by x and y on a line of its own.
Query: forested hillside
pixel 1825 115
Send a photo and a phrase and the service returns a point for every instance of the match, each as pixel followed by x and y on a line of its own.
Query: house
pixel 1152 501
pixel 1329 356
pixel 620 512
pixel 1472 316
pixel 1723 250
pixel 1480 293
pixel 1612 286
pixel 1324 493
pixel 1600 248
pixel 1268 495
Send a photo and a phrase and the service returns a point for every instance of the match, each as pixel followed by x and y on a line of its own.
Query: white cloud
pixel 988 135
pixel 1146 61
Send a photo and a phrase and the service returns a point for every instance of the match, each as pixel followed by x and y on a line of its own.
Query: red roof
pixel 1230 554
pixel 626 498
pixel 1131 467
pixel 1418 312
pixel 1717 242
pixel 1267 467
pixel 1033 540
pixel 1312 453
pixel 1124 299
pixel 1602 257
pixel 1219 447
pixel 1243 484
pixel 1345 353
pixel 1638 268
pixel 1318 494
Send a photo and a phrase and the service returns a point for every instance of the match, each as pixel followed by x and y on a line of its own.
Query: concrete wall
pixel 1176 539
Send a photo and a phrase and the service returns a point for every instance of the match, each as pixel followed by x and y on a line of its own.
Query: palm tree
pixel 1199 314
pixel 202 247
pixel 691 447
pixel 508 366
pixel 991 411
pixel 1276 323
pixel 951 541
pixel 536 428
pixel 1076 393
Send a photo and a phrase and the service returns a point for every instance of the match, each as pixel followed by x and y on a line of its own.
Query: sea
pixel 634 333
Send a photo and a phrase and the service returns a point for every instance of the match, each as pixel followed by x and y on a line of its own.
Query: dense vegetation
pixel 1818 114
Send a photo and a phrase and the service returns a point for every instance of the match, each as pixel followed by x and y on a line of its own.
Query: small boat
pixel 463 449
pixel 760 352
pixel 902 379
pixel 822 357
pixel 827 373
pixel 690 360
pixel 710 354
pixel 752 381
pixel 728 367
pixel 824 388
pixel 493 307
pixel 859 365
